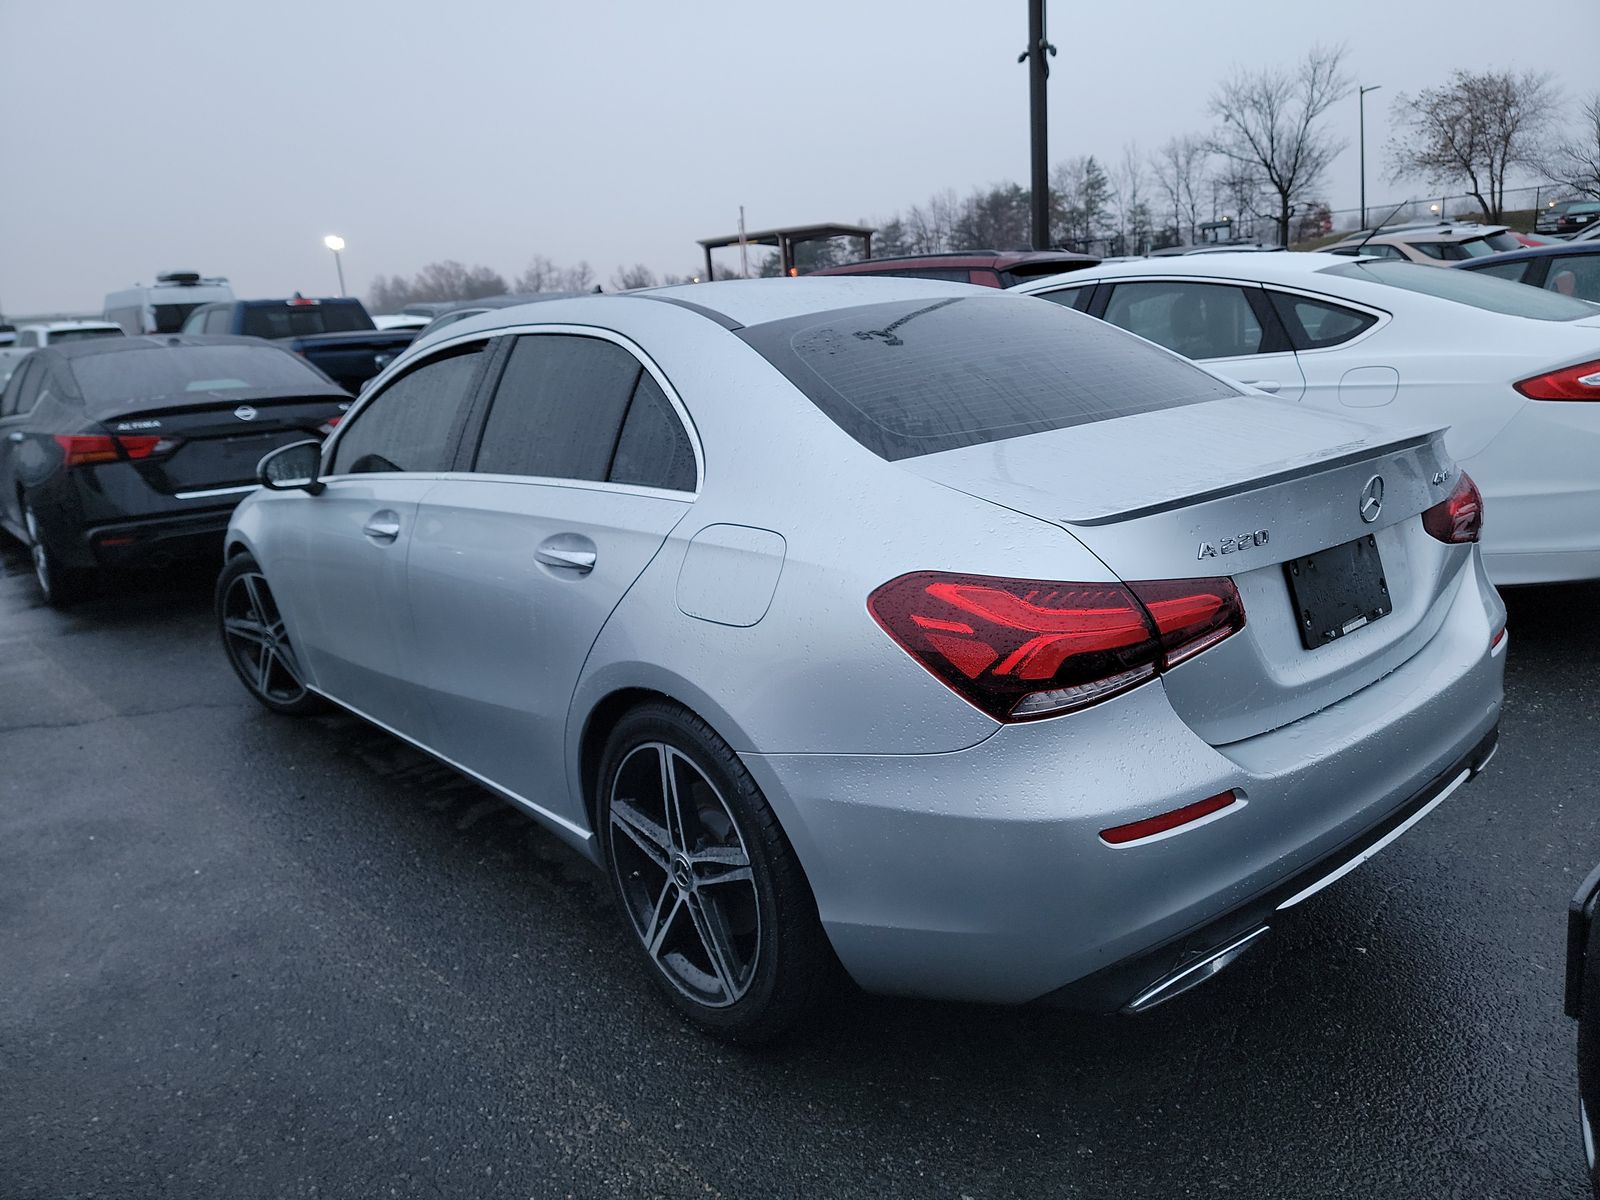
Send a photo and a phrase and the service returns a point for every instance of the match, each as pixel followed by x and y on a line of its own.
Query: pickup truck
pixel 335 335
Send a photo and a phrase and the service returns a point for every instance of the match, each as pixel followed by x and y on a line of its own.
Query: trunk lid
pixel 1240 487
pixel 219 443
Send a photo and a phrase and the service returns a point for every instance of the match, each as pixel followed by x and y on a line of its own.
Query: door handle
pixel 1266 385
pixel 16 435
pixel 382 526
pixel 567 552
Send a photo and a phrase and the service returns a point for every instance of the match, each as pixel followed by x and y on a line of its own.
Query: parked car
pixel 1578 217
pixel 757 593
pixel 31 337
pixel 1387 341
pixel 1432 245
pixel 163 307
pixel 410 321
pixel 134 450
pixel 334 335
pixel 988 268
pixel 1572 270
pixel 1582 1004
pixel 1545 221
pixel 460 310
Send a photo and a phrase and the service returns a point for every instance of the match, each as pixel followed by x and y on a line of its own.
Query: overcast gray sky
pixel 229 138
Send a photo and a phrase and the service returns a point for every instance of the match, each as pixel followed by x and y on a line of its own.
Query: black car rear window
pixel 917 377
pixel 192 373
pixel 302 320
pixel 59 336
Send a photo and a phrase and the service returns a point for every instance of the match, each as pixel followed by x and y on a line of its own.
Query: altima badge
pixel 245 413
pixel 1372 499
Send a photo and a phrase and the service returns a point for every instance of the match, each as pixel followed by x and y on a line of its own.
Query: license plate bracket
pixel 1337 591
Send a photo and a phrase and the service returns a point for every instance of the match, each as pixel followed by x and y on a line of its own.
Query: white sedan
pixel 1513 371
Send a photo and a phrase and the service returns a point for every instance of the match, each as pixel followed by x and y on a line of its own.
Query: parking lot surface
pixel 246 956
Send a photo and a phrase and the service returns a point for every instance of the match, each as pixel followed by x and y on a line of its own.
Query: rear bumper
pixel 148 541
pixel 980 874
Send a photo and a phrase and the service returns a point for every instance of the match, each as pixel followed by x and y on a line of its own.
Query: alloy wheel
pixel 258 642
pixel 41 558
pixel 684 874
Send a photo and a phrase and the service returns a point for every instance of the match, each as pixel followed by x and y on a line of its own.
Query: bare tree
pixel 1130 199
pixel 543 275
pixel 1272 126
pixel 1179 168
pixel 636 276
pixel 1575 160
pixel 1477 128
pixel 1080 197
pixel 447 280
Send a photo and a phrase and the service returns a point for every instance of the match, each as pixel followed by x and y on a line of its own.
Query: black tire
pixel 257 642
pixel 775 965
pixel 60 586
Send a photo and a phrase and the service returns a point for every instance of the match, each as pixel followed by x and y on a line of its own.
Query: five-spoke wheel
pixel 257 641
pixel 712 890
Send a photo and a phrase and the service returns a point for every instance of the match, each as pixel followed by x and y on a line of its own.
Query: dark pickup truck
pixel 334 335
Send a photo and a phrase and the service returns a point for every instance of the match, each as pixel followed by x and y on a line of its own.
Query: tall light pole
pixel 336 243
pixel 1038 72
pixel 1361 105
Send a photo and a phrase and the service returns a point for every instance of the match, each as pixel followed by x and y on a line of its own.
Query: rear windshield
pixel 301 320
pixel 915 377
pixel 169 318
pixel 81 335
pixel 162 372
pixel 1475 288
pixel 1477 247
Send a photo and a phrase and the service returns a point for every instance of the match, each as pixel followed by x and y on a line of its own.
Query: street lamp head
pixel 333 242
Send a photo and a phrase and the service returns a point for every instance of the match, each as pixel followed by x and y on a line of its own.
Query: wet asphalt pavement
pixel 244 956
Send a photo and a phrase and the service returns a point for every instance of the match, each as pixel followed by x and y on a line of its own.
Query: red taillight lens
pixel 1120 835
pixel 330 424
pixel 82 450
pixel 1022 648
pixel 1458 517
pixel 1581 382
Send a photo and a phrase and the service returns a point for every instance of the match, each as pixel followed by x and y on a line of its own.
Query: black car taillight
pixel 1020 649
pixel 82 450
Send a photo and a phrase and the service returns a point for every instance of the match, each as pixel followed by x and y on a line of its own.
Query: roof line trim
pixel 710 314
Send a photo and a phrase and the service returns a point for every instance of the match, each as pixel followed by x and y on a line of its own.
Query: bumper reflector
pixel 1121 835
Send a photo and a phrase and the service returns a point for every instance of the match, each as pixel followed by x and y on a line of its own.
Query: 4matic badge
pixel 1228 545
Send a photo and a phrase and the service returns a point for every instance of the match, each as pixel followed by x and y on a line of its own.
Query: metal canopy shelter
pixel 786 239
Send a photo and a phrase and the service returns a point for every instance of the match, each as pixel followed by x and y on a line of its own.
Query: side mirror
pixel 292 468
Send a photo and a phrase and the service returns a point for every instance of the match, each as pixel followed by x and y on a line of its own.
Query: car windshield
pixel 1473 288
pixel 917 377
pixel 81 335
pixel 192 371
pixel 300 320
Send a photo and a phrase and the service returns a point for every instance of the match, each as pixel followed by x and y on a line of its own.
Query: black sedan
pixel 134 451
pixel 1572 269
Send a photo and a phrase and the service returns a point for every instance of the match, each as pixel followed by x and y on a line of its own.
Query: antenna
pixel 1376 229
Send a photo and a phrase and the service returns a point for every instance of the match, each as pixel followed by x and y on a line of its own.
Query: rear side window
pixel 145 372
pixel 1318 324
pixel 653 449
pixel 412 424
pixel 1073 297
pixel 918 377
pixel 1468 287
pixel 558 408
pixel 304 320
pixel 1576 275
pixel 1196 320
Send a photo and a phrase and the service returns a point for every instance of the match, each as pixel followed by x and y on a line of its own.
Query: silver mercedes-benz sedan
pixel 944 634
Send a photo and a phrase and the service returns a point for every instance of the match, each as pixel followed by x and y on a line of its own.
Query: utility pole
pixel 1038 72
pixel 1361 105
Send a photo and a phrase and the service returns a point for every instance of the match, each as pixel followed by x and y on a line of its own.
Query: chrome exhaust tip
pixel 1193 975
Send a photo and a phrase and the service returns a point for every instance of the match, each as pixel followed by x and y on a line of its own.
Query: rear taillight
pixel 1020 648
pixel 82 450
pixel 1581 382
pixel 1458 517
pixel 330 424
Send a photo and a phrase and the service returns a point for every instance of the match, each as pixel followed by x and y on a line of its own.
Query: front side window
pixel 1318 324
pixel 1576 275
pixel 411 425
pixel 1196 320
pixel 558 408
